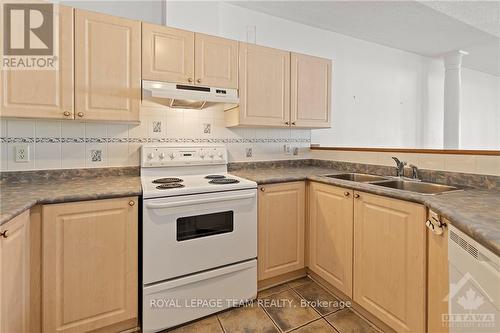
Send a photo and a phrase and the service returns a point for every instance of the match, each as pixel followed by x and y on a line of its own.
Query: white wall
pixel 480 111
pixel 151 11
pixel 381 96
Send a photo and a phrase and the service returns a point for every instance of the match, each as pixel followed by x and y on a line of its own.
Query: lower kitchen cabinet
pixel 281 228
pixel 331 234
pixel 437 280
pixel 390 260
pixel 15 275
pixel 90 266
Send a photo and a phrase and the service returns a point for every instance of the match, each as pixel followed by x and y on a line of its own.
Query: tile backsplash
pixel 475 164
pixel 73 144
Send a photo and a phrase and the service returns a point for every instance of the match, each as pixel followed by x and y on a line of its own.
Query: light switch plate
pixel 22 153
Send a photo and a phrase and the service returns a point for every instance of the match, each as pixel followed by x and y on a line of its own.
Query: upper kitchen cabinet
pixel 167 54
pixel 310 91
pixel 216 61
pixel 107 67
pixel 264 88
pixel 175 55
pixel 46 93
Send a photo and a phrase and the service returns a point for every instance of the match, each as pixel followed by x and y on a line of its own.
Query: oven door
pixel 188 234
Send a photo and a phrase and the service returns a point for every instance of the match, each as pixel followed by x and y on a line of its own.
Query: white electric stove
pixel 199 234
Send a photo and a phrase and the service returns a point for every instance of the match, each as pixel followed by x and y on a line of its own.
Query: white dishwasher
pixel 474 298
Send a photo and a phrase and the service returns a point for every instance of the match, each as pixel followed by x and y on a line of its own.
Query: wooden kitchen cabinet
pixel 281 227
pixel 331 234
pixel 167 54
pixel 437 280
pixel 264 88
pixel 181 56
pixel 310 91
pixel 15 275
pixel 90 265
pixel 107 67
pixel 43 93
pixel 216 61
pixel 390 260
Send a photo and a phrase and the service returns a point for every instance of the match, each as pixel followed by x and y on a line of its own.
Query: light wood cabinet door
pixel 43 93
pixel 437 280
pixel 280 229
pixel 264 82
pixel 15 275
pixel 167 54
pixel 107 67
pixel 90 265
pixel 216 61
pixel 389 260
pixel 330 234
pixel 310 91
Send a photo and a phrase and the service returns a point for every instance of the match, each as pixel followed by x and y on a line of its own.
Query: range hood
pixel 184 96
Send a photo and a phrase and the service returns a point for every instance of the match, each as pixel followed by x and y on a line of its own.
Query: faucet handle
pixel 414 171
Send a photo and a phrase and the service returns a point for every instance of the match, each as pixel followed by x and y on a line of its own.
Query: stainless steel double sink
pixel 396 183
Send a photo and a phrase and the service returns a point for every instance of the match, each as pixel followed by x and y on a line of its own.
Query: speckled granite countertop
pixel 475 212
pixel 17 197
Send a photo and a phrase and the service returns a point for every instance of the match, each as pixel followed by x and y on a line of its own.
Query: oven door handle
pixel 198 202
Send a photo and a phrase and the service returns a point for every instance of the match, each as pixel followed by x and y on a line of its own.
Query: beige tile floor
pixel 300 306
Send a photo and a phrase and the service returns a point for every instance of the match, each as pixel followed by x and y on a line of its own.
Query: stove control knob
pixel 151 156
pixel 161 156
pixel 172 155
pixel 211 155
pixel 202 154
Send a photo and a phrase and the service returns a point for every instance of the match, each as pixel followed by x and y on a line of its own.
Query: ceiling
pixel 429 28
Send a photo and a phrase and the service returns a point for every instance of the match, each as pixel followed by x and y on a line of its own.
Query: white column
pixel 452 90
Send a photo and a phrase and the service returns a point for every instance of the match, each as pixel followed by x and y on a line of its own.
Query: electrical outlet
pixel 295 151
pixel 248 152
pixel 22 153
pixel 286 149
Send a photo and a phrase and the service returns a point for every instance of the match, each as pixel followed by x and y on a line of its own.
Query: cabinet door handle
pixel 190 80
pixel 4 234
pixel 80 114
pixel 199 80
pixel 293 123
pixel 131 203
pixel 67 113
pixel 347 194
pixel 356 195
pixel 262 189
pixel 287 123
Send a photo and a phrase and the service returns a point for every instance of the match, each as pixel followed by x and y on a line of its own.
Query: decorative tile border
pixel 151 140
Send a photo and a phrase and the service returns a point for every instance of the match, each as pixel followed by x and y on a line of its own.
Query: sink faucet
pixel 400 166
pixel 414 172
